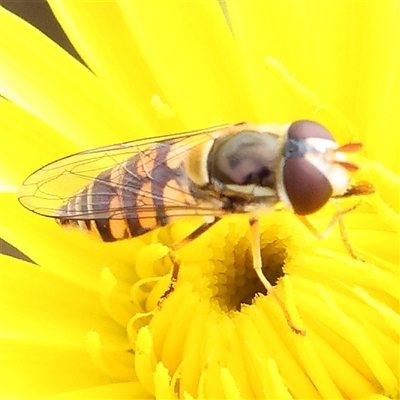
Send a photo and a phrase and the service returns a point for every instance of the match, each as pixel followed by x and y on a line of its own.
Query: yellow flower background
pixel 84 321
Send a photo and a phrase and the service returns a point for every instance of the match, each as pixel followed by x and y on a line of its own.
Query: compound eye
pixel 307 188
pixel 305 129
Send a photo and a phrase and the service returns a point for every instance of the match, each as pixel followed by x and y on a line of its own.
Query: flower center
pixel 239 284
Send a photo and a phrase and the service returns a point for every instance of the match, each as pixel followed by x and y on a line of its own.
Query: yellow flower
pixel 85 324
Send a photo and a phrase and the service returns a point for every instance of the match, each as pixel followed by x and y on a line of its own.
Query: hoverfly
pixel 125 190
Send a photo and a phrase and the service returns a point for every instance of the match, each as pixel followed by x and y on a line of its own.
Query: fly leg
pixel 257 265
pixel 176 262
pixel 336 218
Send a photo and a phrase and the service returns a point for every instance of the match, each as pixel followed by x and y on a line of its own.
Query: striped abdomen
pixel 148 190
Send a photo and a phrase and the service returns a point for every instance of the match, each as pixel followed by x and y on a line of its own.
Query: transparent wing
pixel 101 180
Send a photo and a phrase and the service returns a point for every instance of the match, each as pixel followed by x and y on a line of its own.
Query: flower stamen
pixel 111 299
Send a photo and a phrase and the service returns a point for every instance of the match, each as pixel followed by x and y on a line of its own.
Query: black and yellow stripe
pixel 129 199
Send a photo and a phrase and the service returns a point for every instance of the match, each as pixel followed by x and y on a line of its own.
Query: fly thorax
pixel 245 163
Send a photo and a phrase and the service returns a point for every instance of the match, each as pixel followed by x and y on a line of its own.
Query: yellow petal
pixel 43 333
pixel 70 99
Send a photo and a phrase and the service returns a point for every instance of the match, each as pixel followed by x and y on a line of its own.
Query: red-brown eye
pixel 305 185
pixel 308 129
pixel 307 188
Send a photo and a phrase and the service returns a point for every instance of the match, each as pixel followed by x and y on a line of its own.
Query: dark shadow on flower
pixel 241 286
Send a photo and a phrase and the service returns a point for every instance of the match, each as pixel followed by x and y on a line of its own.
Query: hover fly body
pixel 126 190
